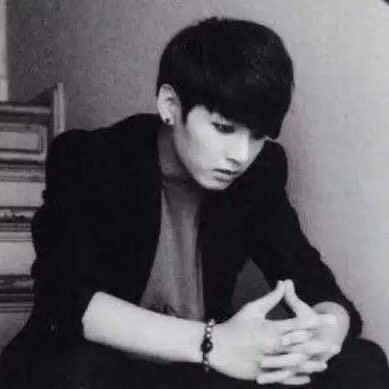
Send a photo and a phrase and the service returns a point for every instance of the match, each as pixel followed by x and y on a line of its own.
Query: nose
pixel 238 148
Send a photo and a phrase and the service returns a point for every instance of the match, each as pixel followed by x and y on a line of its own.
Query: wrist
pixel 219 347
pixel 207 344
pixel 194 354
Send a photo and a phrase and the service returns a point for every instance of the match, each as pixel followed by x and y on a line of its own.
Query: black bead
pixel 206 346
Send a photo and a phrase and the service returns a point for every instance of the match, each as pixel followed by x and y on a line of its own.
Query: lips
pixel 230 173
pixel 226 176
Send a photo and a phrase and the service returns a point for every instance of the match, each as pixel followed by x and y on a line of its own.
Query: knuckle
pixel 297 360
pixel 305 335
pixel 275 344
pixel 298 336
pixel 252 309
pixel 286 340
pixel 248 307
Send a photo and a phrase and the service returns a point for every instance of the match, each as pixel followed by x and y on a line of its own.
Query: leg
pixel 92 366
pixel 193 377
pixel 97 367
pixel 361 365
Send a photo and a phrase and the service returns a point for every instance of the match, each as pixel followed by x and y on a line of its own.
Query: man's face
pixel 214 150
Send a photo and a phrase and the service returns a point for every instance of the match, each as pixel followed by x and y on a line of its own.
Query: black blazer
pixel 98 229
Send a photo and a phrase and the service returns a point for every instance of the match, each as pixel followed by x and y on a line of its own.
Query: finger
pixel 273 376
pixel 296 323
pixel 310 367
pixel 296 337
pixel 296 380
pixel 328 319
pixel 299 307
pixel 335 349
pixel 312 347
pixel 269 301
pixel 282 361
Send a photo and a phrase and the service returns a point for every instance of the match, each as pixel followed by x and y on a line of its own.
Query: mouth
pixel 225 175
pixel 229 173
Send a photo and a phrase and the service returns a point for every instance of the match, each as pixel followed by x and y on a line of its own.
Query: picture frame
pixel 26 130
pixel 16 293
pixel 15 223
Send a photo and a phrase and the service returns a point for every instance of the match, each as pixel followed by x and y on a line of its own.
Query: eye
pixel 257 136
pixel 224 128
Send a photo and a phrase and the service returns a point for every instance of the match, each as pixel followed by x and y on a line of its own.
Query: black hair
pixel 237 68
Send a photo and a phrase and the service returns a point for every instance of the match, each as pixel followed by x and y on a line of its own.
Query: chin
pixel 214 184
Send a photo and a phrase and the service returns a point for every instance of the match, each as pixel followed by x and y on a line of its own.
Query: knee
pixel 365 358
pixel 367 351
pixel 361 364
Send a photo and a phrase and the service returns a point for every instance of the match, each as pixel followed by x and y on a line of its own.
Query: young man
pixel 146 225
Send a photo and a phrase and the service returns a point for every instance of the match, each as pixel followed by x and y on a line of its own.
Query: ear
pixel 169 106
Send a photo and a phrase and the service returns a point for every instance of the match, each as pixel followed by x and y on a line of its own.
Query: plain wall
pixel 336 133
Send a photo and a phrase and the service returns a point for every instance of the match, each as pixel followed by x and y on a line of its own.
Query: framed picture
pixel 15 293
pixel 15 223
pixel 26 130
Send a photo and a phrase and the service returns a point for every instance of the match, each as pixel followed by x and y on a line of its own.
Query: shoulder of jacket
pixel 272 165
pixel 137 126
pixel 76 145
pixel 274 154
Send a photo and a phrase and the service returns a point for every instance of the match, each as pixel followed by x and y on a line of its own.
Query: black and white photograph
pixel 194 194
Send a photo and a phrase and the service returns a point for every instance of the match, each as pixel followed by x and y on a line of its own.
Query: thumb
pixel 299 307
pixel 269 301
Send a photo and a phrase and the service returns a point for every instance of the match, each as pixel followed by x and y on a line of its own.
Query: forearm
pixel 124 326
pixel 340 313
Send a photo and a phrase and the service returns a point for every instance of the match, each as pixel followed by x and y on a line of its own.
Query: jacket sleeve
pixel 282 251
pixel 65 270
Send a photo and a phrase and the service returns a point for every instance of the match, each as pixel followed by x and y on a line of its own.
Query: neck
pixel 171 165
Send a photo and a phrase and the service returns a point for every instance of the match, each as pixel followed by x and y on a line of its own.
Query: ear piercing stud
pixel 167 121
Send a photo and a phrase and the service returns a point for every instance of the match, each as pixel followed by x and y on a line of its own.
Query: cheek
pixel 191 151
pixel 204 148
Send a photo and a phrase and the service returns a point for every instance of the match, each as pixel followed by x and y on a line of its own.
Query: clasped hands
pixel 249 346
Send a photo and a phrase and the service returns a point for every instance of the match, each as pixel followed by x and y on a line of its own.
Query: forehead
pixel 202 112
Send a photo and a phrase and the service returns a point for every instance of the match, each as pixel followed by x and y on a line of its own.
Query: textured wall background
pixel 3 52
pixel 336 134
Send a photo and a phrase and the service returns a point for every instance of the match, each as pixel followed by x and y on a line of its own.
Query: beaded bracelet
pixel 206 344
